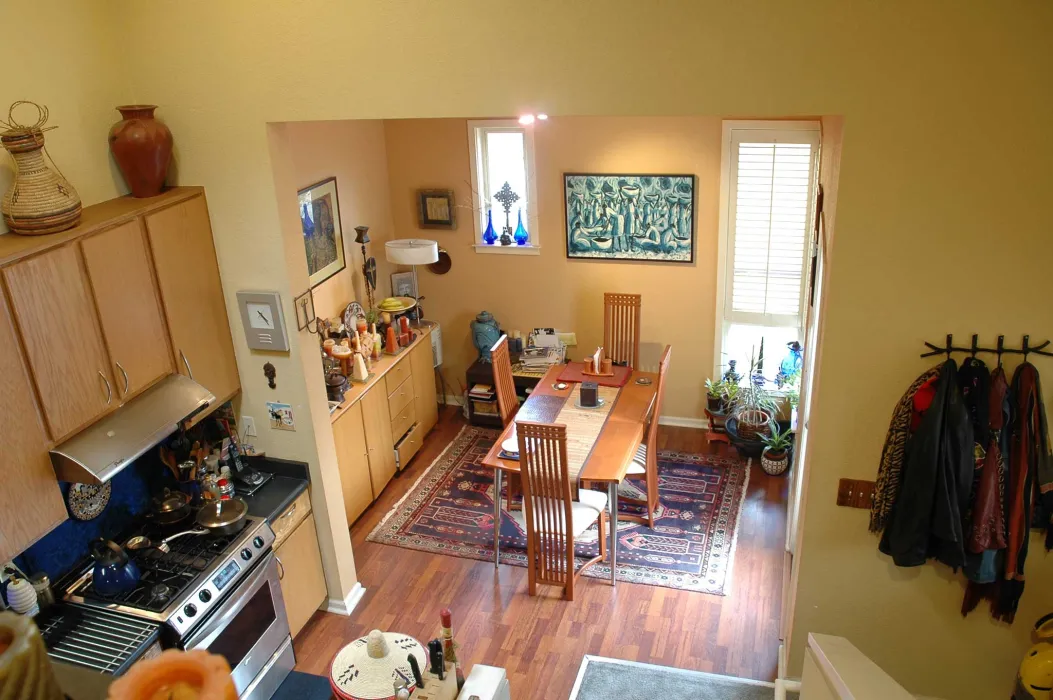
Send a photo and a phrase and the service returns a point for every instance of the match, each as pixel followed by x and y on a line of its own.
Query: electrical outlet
pixel 568 338
pixel 248 426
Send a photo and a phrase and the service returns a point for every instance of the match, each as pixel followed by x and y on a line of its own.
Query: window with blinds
pixel 768 193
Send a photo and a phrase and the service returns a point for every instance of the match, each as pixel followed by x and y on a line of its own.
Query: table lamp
pixel 412 252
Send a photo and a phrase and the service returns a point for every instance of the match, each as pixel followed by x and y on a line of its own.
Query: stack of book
pixel 482 392
pixel 483 399
pixel 542 357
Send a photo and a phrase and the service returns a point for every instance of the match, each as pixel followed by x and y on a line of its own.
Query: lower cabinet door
pixel 303 582
pixel 353 461
pixel 379 443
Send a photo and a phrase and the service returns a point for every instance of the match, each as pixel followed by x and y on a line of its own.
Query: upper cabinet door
pixel 129 310
pixel 188 276
pixel 30 501
pixel 53 306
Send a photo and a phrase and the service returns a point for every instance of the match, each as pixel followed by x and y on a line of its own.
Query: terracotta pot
pixel 142 147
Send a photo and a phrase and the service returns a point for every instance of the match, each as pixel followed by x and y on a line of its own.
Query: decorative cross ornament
pixel 506 197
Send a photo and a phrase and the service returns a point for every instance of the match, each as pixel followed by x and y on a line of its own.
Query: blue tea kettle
pixel 114 571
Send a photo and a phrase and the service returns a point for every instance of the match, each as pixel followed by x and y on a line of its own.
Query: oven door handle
pixel 246 590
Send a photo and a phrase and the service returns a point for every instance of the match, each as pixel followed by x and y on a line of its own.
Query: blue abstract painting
pixel 630 217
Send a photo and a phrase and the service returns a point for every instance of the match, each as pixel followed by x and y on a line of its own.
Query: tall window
pixel 768 180
pixel 502 151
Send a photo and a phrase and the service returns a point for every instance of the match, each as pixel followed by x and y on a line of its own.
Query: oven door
pixel 249 628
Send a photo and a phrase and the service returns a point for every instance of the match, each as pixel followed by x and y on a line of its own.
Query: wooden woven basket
pixel 753 424
pixel 40 200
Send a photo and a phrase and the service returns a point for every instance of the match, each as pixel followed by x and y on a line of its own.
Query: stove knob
pixel 246 554
pixel 190 610
pixel 205 596
pixel 258 542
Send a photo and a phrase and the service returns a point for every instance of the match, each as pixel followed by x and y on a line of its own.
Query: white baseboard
pixel 683 422
pixel 347 605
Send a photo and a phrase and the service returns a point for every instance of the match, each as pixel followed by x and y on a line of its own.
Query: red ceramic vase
pixel 142 147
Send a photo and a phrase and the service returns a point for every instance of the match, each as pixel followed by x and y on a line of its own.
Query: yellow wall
pixel 549 290
pixel 945 173
pixel 353 152
pixel 60 55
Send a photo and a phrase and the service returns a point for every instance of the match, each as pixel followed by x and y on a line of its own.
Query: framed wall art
pixel 648 218
pixel 435 209
pixel 323 238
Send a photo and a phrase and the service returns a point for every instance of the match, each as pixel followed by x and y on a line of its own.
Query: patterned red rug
pixel 450 511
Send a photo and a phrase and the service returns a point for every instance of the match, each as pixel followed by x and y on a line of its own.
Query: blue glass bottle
pixel 521 236
pixel 489 237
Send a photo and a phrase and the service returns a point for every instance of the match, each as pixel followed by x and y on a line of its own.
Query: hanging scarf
pixel 893 454
pixel 1030 482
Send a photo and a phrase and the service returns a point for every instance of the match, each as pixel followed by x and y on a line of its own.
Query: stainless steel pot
pixel 223 517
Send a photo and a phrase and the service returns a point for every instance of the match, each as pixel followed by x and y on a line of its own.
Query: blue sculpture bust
pixel 485 332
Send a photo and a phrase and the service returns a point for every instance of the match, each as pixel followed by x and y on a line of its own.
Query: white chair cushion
pixel 583 512
pixel 639 465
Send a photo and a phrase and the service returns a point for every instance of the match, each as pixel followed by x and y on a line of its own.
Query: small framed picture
pixel 281 416
pixel 402 285
pixel 435 209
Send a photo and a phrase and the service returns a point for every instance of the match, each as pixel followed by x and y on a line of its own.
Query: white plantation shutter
pixel 771 191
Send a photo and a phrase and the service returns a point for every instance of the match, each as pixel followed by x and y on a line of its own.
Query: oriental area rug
pixel 450 511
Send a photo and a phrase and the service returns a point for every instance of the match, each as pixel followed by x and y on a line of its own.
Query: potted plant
pixel 714 394
pixel 753 406
pixel 776 455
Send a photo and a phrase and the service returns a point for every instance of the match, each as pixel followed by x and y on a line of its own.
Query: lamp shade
pixel 411 251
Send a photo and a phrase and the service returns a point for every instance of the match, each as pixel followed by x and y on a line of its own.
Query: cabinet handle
pixel 109 392
pixel 288 513
pixel 186 363
pixel 125 374
pixel 281 569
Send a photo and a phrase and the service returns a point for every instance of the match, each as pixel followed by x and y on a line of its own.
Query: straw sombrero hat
pixel 367 668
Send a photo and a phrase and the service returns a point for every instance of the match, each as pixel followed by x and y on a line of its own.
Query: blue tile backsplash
pixel 61 549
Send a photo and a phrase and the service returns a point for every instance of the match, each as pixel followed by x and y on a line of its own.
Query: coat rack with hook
pixel 1025 349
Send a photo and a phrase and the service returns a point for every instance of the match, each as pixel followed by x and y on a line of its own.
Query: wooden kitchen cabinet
pixel 52 305
pixel 188 276
pixel 119 270
pixel 30 501
pixel 353 460
pixel 376 419
pixel 423 360
pixel 302 578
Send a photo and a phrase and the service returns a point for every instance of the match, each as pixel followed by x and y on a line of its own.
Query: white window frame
pixel 788 131
pixel 477 130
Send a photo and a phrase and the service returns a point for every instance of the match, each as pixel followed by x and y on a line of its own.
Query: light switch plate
pixel 248 426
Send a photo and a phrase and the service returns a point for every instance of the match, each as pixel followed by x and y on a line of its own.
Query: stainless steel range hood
pixel 95 455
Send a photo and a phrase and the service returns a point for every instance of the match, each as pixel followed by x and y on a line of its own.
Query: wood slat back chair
pixel 621 328
pixel 507 400
pixel 549 508
pixel 646 460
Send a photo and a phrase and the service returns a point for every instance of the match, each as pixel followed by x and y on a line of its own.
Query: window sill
pixel 508 249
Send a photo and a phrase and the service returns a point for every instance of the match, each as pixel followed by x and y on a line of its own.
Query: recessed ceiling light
pixel 526 119
pixel 542 117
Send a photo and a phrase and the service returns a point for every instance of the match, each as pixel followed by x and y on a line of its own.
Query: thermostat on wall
pixel 263 320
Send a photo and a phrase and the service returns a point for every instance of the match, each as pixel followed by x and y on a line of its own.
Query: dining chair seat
pixel 583 512
pixel 639 465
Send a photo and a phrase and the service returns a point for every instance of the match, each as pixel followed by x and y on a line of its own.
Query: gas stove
pixel 181 587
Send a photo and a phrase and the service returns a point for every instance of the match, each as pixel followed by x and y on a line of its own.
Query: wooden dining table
pixel 612 451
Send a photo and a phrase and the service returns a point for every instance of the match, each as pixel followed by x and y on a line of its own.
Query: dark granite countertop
pixel 290 480
pixel 275 496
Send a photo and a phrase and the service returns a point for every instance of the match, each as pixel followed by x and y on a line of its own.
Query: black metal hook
pixel 1001 346
pixel 975 337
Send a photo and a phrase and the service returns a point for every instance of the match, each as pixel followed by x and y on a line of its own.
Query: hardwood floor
pixel 541 640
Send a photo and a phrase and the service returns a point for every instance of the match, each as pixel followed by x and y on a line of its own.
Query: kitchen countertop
pixel 275 496
pixel 380 368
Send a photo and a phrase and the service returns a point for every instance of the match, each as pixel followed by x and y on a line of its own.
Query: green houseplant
pixel 752 406
pixel 714 394
pixel 776 455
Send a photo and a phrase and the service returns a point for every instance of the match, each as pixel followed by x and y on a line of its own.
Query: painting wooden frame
pixel 630 217
pixel 323 236
pixel 435 209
